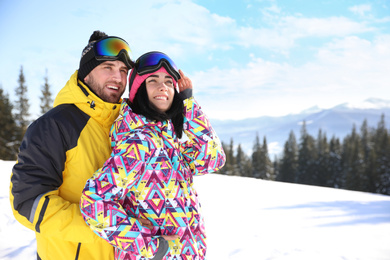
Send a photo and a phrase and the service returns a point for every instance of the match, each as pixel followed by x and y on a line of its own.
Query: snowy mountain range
pixel 337 121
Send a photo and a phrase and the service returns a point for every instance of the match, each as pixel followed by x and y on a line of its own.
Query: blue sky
pixel 246 58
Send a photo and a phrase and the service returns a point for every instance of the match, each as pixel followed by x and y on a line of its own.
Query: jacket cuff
pixel 163 248
pixel 187 93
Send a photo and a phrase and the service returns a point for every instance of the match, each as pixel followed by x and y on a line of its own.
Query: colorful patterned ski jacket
pixel 59 153
pixel 150 176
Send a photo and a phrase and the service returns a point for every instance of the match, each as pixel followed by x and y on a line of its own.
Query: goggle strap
pixel 131 80
pixel 162 63
pixel 126 59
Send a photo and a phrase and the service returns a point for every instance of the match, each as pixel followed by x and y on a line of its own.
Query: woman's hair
pixel 142 106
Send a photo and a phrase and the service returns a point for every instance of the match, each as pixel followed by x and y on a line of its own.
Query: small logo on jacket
pixel 92 104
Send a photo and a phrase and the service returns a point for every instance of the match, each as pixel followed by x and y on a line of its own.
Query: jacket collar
pixel 135 121
pixel 77 93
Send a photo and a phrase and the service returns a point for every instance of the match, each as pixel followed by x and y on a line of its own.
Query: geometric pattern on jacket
pixel 150 175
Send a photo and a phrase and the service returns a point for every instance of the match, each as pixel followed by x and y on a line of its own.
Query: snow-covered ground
pixel 256 219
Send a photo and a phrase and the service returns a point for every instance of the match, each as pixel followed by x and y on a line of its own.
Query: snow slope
pixel 256 219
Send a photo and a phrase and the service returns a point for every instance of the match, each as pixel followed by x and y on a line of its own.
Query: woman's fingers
pixel 170 237
pixel 145 223
pixel 184 82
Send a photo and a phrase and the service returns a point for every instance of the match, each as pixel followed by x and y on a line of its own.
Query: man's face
pixel 108 80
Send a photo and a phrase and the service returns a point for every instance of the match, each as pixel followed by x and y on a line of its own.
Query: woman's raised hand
pixel 184 82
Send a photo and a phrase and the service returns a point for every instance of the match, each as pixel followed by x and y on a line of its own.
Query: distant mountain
pixel 337 121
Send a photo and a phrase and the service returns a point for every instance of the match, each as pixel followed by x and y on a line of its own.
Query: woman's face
pixel 160 89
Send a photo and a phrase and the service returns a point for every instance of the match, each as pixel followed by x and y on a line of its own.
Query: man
pixel 64 147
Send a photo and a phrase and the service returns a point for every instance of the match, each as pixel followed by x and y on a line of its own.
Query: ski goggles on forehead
pixel 152 61
pixel 111 48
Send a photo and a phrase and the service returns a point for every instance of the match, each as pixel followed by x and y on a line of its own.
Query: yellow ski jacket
pixel 59 153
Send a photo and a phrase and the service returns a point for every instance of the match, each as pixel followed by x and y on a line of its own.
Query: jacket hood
pixel 77 93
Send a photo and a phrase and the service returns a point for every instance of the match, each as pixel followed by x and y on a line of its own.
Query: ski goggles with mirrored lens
pixel 112 48
pixel 152 61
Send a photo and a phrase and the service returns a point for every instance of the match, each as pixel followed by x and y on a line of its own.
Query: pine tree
pixel 367 144
pixel 353 164
pixel 321 172
pixel 8 147
pixel 230 157
pixel 382 152
pixel 369 157
pixel 265 169
pixel 242 163
pixel 229 168
pixel 276 167
pixel 306 157
pixel 21 106
pixel 239 161
pixel 224 169
pixel 46 99
pixel 256 161
pixel 289 163
pixel 372 172
pixel 335 165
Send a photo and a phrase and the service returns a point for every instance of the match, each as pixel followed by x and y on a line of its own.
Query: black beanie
pixel 88 61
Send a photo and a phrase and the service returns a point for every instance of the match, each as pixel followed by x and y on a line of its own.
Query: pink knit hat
pixel 138 80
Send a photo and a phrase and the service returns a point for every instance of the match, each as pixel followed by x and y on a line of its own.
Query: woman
pixel 142 200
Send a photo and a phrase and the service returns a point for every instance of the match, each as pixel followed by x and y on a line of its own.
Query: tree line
pixel 360 162
pixel 15 115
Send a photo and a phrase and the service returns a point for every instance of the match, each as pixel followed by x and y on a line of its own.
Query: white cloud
pixel 190 26
pixel 349 69
pixel 185 30
pixel 360 9
pixel 323 27
pixel 193 27
pixel 274 8
pixel 275 40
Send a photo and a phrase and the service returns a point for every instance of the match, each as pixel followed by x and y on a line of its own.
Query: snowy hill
pixel 337 121
pixel 255 219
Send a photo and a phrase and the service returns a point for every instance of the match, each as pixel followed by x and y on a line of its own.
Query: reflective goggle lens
pixel 111 47
pixel 153 59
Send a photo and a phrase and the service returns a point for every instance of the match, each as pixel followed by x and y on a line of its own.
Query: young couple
pixel 130 178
